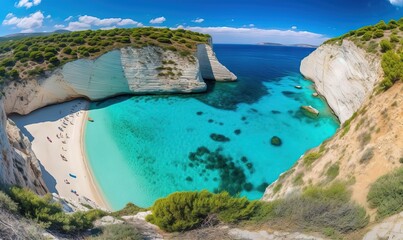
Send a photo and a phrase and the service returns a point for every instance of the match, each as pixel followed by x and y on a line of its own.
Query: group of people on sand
pixel 63 136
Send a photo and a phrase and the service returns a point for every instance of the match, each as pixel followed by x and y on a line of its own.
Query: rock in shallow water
pixel 219 137
pixel 276 141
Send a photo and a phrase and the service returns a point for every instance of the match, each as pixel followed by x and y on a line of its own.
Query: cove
pixel 142 148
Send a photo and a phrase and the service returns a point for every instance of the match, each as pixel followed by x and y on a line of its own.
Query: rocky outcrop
pixel 344 74
pixel 390 228
pixel 18 164
pixel 125 71
pixel 210 67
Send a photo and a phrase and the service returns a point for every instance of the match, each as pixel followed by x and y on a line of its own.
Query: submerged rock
pixel 219 137
pixel 276 141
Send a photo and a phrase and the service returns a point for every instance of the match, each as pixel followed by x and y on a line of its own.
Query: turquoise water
pixel 142 148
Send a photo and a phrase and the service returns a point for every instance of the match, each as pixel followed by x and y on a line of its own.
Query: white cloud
pixel 249 25
pixel 255 35
pixel 26 24
pixel 59 26
pixel 86 22
pixel 48 16
pixel 68 18
pixel 158 20
pixel 198 20
pixel 27 3
pixel 294 27
pixel 396 2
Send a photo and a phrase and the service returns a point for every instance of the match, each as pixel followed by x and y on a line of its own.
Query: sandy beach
pixel 57 136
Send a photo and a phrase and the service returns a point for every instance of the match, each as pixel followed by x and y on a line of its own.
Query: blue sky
pixel 252 21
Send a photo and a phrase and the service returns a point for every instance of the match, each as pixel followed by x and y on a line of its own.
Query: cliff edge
pixel 344 74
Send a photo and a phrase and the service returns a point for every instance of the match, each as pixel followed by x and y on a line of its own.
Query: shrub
pixel 394 38
pixel 129 209
pixel 187 210
pixel 50 214
pixel 67 50
pixel 2 72
pixel 317 209
pixel 385 45
pixel 333 171
pixel 13 74
pixel 367 155
pixel 164 40
pixel 298 179
pixel 311 157
pixel 54 60
pixel 117 232
pixel 378 34
pixel 367 36
pixel 36 56
pixel 386 194
pixel 7 203
pixel 392 66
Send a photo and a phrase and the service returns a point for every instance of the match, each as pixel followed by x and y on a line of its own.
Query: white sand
pixel 64 124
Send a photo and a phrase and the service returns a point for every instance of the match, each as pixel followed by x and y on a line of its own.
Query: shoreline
pixel 57 135
pixel 100 199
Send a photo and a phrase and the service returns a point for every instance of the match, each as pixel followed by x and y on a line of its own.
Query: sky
pixel 246 22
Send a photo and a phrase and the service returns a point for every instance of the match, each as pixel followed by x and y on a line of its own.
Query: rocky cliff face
pixel 18 164
pixel 124 71
pixel 344 74
pixel 367 146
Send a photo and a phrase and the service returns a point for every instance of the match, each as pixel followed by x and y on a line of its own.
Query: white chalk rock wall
pixel 210 67
pixel 18 164
pixel 344 74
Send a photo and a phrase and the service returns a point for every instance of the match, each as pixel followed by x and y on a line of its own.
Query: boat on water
pixel 90 119
pixel 310 110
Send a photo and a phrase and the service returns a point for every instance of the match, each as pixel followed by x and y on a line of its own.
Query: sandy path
pixel 63 153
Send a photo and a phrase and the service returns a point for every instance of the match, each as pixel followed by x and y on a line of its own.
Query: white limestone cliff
pixel 18 164
pixel 126 71
pixel 344 74
pixel 210 67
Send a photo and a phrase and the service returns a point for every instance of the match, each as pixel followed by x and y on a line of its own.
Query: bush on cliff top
pixel 386 194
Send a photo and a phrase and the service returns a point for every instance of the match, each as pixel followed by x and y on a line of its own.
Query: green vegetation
pixel 317 209
pixel 392 64
pixel 386 194
pixel 311 157
pixel 129 209
pixel 7 203
pixel 187 210
pixel 387 41
pixel 49 214
pixel 326 210
pixel 332 172
pixel 19 57
pixel 117 232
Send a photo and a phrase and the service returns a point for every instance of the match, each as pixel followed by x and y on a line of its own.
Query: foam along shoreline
pixel 57 133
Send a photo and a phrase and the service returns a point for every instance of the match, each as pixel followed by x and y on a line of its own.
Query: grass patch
pixel 117 232
pixel 298 181
pixel 311 157
pixel 129 209
pixel 317 209
pixel 277 188
pixel 386 194
pixel 332 172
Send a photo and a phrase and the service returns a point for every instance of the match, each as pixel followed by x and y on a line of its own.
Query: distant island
pixel 287 45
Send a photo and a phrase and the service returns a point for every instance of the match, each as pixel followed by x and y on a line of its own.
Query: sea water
pixel 142 148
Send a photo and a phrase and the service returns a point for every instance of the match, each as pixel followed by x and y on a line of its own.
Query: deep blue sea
pixel 141 148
